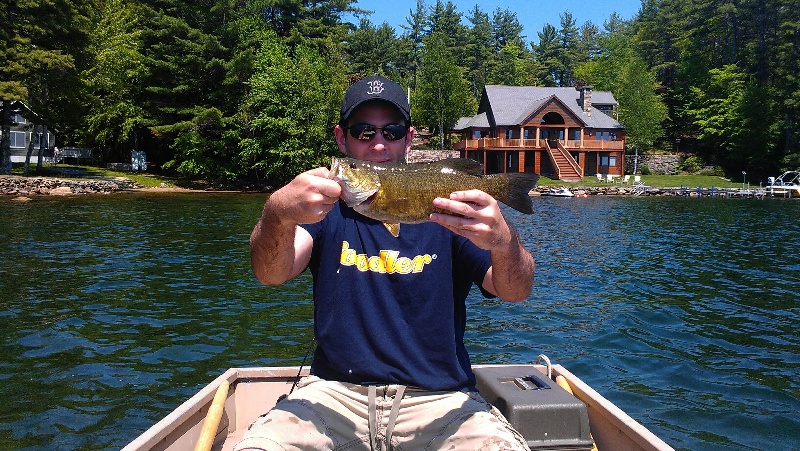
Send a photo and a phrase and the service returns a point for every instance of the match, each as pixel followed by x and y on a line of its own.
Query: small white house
pixel 25 130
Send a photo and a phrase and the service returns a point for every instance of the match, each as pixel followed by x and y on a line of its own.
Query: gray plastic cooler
pixel 545 414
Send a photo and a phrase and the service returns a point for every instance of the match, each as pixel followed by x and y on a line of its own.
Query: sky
pixel 532 14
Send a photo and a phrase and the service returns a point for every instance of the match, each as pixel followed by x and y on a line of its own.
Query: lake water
pixel 684 312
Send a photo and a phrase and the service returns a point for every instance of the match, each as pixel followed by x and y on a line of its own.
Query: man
pixel 390 369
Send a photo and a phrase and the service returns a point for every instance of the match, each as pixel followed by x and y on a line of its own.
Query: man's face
pixel 378 149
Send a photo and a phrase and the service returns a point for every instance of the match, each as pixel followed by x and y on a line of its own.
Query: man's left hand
pixel 477 217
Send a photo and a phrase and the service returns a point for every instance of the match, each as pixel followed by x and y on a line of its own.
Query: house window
pixel 602 136
pixel 576 135
pixel 19 119
pixel 509 133
pixel 18 139
pixel 608 160
pixel 39 139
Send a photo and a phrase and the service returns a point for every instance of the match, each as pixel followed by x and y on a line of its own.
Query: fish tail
pixel 517 195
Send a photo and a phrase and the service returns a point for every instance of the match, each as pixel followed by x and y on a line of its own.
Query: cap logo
pixel 375 87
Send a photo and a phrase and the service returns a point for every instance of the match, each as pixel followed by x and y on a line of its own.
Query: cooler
pixel 545 414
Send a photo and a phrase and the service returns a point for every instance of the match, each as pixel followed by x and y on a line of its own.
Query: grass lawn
pixel 144 179
pixel 78 171
pixel 656 181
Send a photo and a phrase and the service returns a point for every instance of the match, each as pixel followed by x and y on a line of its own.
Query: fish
pixel 403 193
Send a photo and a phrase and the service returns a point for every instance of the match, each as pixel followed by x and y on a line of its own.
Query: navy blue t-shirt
pixel 391 310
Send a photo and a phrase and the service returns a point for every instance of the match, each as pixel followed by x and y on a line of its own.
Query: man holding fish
pixel 390 369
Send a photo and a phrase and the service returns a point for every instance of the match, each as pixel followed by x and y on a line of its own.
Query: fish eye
pixel 352 165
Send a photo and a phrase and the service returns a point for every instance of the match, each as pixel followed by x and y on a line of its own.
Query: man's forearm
pixel 272 252
pixel 512 270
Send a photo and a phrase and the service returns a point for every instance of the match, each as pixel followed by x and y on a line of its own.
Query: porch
pixel 568 160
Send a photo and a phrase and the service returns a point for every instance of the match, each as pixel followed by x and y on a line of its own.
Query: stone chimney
pixel 585 100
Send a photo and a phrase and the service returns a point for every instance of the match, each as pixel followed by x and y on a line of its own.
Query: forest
pixel 248 91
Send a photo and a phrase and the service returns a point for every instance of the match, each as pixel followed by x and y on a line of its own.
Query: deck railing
pixel 483 143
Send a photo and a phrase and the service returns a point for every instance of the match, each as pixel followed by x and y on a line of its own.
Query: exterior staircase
pixel 567 169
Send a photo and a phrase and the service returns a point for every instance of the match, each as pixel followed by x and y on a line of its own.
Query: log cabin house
pixel 563 133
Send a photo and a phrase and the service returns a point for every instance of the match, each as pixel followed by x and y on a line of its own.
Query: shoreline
pixel 20 188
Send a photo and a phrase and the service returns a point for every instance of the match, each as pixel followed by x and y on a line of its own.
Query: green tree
pixel 510 62
pixel 290 111
pixel 479 50
pixel 617 68
pixel 372 50
pixel 506 29
pixel 722 111
pixel 569 41
pixel 415 32
pixel 299 20
pixel 114 79
pixel 641 110
pixel 34 46
pixel 186 66
pixel 512 67
pixel 787 87
pixel 692 45
pixel 588 42
pixel 442 95
pixel 445 20
pixel 546 54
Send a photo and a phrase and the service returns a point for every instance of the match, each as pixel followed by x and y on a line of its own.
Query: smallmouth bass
pixel 404 193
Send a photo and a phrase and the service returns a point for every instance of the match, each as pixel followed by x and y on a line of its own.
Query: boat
pixel 785 185
pixel 558 192
pixel 219 414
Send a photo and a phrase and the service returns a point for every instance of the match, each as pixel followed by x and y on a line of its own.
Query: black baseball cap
pixel 374 88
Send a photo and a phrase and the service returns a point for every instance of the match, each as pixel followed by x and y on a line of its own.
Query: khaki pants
pixel 326 415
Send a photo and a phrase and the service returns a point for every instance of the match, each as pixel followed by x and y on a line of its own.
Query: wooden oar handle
pixel 213 417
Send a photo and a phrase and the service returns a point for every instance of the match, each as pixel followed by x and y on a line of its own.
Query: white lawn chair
pixel 599 177
pixel 610 178
pixel 639 187
pixel 626 179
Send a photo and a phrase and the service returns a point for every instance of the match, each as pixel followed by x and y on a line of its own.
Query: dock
pixel 684 191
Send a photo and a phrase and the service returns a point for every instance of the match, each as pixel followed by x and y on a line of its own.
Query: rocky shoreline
pixel 24 186
pixel 583 191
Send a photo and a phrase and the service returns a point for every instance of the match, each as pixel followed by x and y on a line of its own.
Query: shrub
pixel 711 171
pixel 692 164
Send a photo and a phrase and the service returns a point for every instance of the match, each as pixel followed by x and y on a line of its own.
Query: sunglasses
pixel 365 132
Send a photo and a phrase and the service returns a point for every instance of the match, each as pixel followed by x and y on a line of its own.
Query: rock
pixel 61 191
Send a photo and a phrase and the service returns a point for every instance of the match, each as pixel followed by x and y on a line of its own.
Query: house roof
pixel 512 105
pixel 478 121
pixel 19 107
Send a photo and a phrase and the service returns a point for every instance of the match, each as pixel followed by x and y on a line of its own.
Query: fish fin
pixel 394 229
pixel 466 165
pixel 519 186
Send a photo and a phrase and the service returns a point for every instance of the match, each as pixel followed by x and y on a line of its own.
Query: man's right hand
pixel 279 249
pixel 306 199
